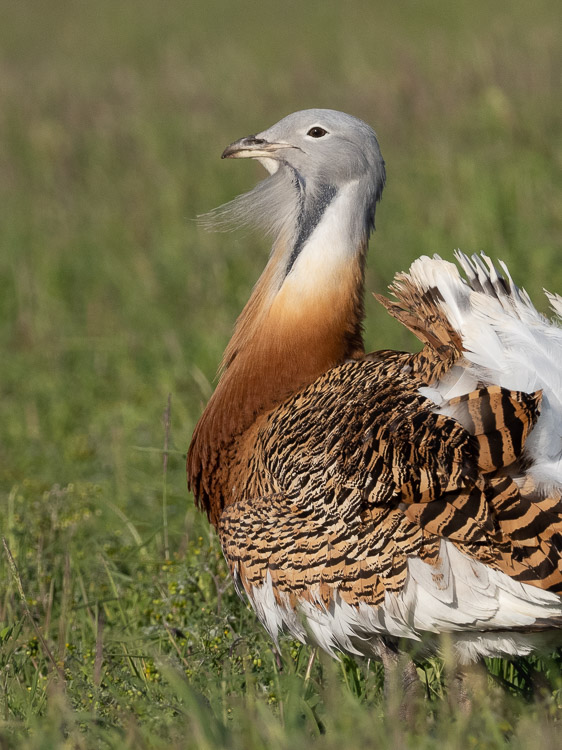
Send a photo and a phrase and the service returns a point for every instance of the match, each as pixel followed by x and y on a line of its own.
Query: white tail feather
pixel 507 342
pixel 555 303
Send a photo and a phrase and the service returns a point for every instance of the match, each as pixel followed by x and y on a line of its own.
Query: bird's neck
pixel 295 327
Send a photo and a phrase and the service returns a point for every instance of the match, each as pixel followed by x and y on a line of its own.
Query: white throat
pixel 332 245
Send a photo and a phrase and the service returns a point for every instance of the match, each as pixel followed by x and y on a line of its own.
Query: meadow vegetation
pixel 119 627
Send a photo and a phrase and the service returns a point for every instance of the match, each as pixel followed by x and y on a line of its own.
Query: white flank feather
pixel 460 596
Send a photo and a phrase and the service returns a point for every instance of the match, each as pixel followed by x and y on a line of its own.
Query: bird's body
pixel 360 496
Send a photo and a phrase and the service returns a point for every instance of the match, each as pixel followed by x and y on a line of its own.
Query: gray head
pixel 312 156
pixel 322 145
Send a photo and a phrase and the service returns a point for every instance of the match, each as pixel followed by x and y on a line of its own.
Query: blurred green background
pixel 113 116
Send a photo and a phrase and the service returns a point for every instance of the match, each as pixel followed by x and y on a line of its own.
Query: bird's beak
pixel 253 147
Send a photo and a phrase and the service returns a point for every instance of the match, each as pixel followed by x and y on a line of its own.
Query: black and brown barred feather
pixel 343 489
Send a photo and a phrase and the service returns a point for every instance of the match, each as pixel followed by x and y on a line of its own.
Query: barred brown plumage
pixel 341 489
pixel 385 494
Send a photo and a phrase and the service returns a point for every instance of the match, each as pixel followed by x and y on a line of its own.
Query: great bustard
pixel 359 498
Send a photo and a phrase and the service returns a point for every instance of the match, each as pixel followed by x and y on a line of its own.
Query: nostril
pixel 251 139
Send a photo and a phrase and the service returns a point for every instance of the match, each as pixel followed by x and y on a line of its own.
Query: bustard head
pixel 320 144
pixel 313 157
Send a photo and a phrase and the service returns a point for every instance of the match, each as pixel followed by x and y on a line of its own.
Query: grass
pixel 119 627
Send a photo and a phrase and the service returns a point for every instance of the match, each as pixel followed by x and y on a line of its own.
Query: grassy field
pixel 119 627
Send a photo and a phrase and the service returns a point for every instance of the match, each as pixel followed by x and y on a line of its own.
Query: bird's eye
pixel 317 132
